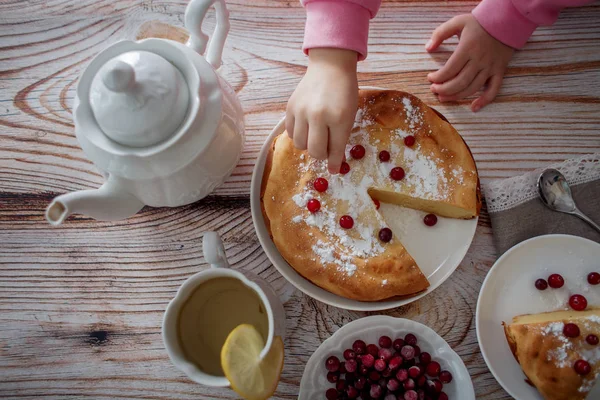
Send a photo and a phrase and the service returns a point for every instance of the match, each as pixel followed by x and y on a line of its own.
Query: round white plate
pixel 438 250
pixel 314 380
pixel 508 290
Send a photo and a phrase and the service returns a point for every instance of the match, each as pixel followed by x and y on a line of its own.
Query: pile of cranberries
pixel 394 370
pixel 578 303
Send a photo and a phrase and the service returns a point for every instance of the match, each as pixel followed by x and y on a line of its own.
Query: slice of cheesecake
pixel 548 356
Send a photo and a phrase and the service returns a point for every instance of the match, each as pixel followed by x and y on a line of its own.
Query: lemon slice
pixel 251 377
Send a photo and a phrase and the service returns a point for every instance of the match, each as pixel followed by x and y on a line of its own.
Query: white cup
pixel 214 254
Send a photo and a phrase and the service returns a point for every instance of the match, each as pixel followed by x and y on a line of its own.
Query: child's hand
pixel 478 58
pixel 321 111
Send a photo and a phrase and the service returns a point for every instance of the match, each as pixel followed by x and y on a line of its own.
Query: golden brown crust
pixel 547 357
pixel 388 274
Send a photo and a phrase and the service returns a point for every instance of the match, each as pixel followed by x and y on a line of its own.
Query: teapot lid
pixel 139 99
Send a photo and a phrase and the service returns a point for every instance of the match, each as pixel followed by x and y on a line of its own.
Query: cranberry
pixel 414 371
pixel 384 156
pixel 331 394
pixel 344 168
pixel 409 140
pixel 357 152
pixel 385 354
pixel 593 278
pixel 313 205
pixel 377 204
pixel 349 354
pixel 437 386
pixel 373 350
pixel 332 364
pixel 556 281
pixel 578 302
pixel 421 381
pixel 346 222
pixel 541 284
pixel 385 341
pixel 397 173
pixel 341 385
pixel 571 330
pixel 359 347
pixel 417 351
pixel 425 358
pixel 408 352
pixel 363 370
pixel 402 375
pixel 393 385
pixel 342 368
pixel 360 382
pixel 433 369
pixel 367 360
pixel 430 219
pixel 582 367
pixel 445 377
pixel 320 184
pixel 395 362
pixel 352 392
pixel 380 365
pixel 376 391
pixel 410 339
pixel 592 339
pixel 351 365
pixel 411 395
pixel 374 376
pixel 398 343
pixel 443 396
pixel 333 376
pixel 390 396
pixel 409 384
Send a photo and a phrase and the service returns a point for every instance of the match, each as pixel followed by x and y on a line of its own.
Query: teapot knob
pixel 214 252
pixel 120 77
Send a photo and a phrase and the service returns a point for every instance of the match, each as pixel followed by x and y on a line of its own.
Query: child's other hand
pixel 478 58
pixel 321 111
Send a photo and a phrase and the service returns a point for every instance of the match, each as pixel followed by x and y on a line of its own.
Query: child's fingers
pixel 453 66
pixel 317 140
pixel 289 123
pixel 300 132
pixel 457 83
pixel 446 30
pixel 336 148
pixel 489 94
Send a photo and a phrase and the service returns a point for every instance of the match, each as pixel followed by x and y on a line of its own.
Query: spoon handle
pixel 587 219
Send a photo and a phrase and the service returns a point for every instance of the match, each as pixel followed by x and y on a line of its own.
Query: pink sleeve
pixel 513 21
pixel 340 24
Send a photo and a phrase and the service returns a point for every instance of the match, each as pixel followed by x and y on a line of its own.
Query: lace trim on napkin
pixel 503 194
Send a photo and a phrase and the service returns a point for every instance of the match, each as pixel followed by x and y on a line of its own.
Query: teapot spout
pixel 110 202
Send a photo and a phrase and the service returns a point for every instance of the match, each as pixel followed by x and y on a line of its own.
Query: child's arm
pixel 488 38
pixel 321 111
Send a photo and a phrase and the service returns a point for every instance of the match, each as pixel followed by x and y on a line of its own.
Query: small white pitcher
pixel 214 254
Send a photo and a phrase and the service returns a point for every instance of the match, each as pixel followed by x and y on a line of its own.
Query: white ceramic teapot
pixel 158 120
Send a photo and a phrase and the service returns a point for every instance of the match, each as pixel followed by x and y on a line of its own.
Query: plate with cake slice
pixel 390 227
pixel 538 319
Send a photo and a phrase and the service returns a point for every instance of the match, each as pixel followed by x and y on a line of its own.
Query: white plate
pixel 314 380
pixel 508 290
pixel 438 250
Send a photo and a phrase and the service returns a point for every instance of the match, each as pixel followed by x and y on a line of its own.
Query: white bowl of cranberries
pixel 385 358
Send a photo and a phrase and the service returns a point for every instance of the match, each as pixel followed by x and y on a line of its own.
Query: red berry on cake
pixel 430 219
pixel 592 339
pixel 541 284
pixel 593 278
pixel 357 152
pixel 397 173
pixel 556 281
pixel 346 222
pixel 384 156
pixel 409 140
pixel 377 204
pixel 321 184
pixel 571 330
pixel 385 235
pixel 345 168
pixel 582 367
pixel 578 302
pixel 313 205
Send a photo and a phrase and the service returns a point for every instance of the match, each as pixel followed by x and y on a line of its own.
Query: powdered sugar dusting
pixel 326 255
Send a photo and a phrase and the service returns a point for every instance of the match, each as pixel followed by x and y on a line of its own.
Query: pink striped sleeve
pixel 513 21
pixel 340 24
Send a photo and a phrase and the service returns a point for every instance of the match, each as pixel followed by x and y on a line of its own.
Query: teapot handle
pixel 214 252
pixel 194 16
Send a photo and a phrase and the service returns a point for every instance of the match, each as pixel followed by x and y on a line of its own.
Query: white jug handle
pixel 214 252
pixel 194 16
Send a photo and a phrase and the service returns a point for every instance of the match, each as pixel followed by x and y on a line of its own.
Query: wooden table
pixel 81 304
